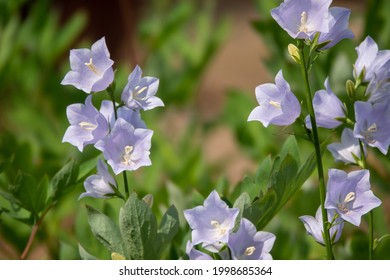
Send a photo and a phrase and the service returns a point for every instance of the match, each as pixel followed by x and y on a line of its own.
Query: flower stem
pixel 305 74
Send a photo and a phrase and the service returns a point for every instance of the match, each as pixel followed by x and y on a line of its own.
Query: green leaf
pixel 105 230
pixel 5 163
pixel 168 228
pixel 138 227
pixel 241 203
pixel 86 167
pixel 64 180
pixel 85 255
pixel 263 175
pixel 290 147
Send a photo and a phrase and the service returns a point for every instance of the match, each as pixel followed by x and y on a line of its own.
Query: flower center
pixel 249 251
pixel 369 134
pixel 126 156
pixel 344 206
pixel 303 27
pixel 138 91
pixel 87 126
pixel 220 229
pixel 275 104
pixel 92 66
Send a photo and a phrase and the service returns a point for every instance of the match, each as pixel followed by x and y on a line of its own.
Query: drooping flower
pixel 100 185
pixel 126 147
pixel 87 124
pixel 303 18
pixel 372 124
pixel 195 254
pixel 277 104
pixel 212 222
pixel 314 226
pixel 327 108
pixel 249 244
pixel 338 27
pixel 348 150
pixel 91 70
pixel 350 195
pixel 139 93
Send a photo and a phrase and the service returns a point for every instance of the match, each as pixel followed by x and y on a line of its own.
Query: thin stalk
pixel 304 69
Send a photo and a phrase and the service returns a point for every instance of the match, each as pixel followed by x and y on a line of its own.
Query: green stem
pixel 304 68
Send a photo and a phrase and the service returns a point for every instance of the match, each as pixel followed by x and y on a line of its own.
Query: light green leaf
pixel 168 228
pixel 65 179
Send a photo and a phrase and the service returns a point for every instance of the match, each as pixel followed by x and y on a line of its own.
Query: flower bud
pixel 350 88
pixel 294 53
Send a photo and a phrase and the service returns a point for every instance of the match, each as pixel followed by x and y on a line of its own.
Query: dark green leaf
pixel 5 163
pixel 65 179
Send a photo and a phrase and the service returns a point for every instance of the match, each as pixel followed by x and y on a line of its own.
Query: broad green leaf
pixel 65 179
pixel 168 228
pixel 105 230
pixel 84 254
pixel 138 227
pixel 86 167
pixel 290 147
pixel 247 185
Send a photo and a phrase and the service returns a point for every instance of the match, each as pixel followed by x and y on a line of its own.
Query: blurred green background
pixel 209 57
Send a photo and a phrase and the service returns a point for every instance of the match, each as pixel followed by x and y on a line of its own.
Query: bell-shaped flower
pixel 378 89
pixel 100 185
pixel 277 104
pixel 91 70
pixel 212 222
pixel 327 108
pixel 348 151
pixel 372 124
pixel 371 60
pixel 139 93
pixel 126 147
pixel 338 27
pixel 87 124
pixel 350 195
pixel 249 244
pixel 303 18
pixel 315 227
pixel 195 254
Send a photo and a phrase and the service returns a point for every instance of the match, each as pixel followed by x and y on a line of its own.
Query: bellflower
pixel 139 93
pixel 378 89
pixel 350 195
pixel 327 108
pixel 303 18
pixel 91 70
pixel 126 147
pixel 249 244
pixel 87 124
pixel 100 185
pixel 338 27
pixel 194 254
pixel 277 104
pixel 348 149
pixel 373 124
pixel 371 60
pixel 315 227
pixel 212 222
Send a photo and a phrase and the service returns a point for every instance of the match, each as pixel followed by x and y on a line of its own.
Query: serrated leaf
pixel 168 228
pixel 65 179
pixel 105 230
pixel 290 147
pixel 138 227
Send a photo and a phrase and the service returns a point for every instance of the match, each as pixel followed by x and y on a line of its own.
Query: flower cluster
pixel 117 130
pixel 212 227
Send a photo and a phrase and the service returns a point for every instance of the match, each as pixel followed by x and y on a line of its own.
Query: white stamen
pixel 138 92
pixel 249 251
pixel 343 206
pixel 369 133
pixel 275 104
pixel 87 126
pixel 91 66
pixel 217 225
pixel 126 157
pixel 303 27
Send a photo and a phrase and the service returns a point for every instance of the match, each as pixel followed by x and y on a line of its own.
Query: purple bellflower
pixel 327 108
pixel 314 226
pixel 373 124
pixel 350 195
pixel 277 104
pixel 100 185
pixel 139 93
pixel 87 124
pixel 211 223
pixel 348 150
pixel 91 70
pixel 249 244
pixel 126 147
pixel 195 254
pixel 303 18
pixel 338 27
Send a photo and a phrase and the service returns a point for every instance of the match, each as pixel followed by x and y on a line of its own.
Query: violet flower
pixel 372 124
pixel 91 70
pixel 315 227
pixel 277 104
pixel 327 108
pixel 212 222
pixel 348 150
pixel 100 185
pixel 249 244
pixel 126 147
pixel 87 124
pixel 195 254
pixel 350 195
pixel 139 93
pixel 303 18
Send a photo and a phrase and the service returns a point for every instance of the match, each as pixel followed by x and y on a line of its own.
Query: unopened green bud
pixel 350 88
pixel 294 53
pixel 148 200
